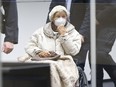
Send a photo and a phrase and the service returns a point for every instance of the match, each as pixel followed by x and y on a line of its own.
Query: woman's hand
pixel 61 30
pixel 44 54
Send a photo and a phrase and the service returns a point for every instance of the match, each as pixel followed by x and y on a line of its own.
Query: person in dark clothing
pixel 80 18
pixel 85 32
pixel 105 38
pixel 9 24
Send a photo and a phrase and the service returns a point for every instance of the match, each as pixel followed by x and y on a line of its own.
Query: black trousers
pixel 104 41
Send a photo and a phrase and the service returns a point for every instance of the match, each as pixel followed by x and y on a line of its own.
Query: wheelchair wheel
pixel 83 82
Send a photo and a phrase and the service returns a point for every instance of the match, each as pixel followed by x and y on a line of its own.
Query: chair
pixel 83 82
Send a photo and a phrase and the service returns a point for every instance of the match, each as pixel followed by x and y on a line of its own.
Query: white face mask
pixel 60 21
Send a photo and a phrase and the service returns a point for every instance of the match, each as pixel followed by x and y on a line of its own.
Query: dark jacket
pixel 9 21
pixel 106 14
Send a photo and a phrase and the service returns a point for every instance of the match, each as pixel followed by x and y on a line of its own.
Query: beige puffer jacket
pixel 46 39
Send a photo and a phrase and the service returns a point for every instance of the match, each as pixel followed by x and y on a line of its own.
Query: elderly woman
pixel 59 37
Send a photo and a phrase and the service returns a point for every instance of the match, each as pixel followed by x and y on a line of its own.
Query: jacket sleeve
pixel 85 27
pixel 32 47
pixel 71 43
pixel 11 21
pixel 107 16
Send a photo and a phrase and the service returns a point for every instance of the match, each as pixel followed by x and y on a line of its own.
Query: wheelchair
pixel 83 82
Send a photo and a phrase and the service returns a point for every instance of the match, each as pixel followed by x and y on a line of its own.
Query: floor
pixel 106 84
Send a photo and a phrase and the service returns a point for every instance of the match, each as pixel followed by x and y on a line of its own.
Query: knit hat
pixel 56 9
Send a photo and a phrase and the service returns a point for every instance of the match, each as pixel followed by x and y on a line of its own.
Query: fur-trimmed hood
pixel 50 33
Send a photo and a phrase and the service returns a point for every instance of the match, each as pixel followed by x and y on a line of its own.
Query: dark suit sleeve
pixel 85 27
pixel 11 21
pixel 107 16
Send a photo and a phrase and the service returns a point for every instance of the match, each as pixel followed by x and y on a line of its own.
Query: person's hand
pixel 61 30
pixel 97 22
pixel 7 47
pixel 82 38
pixel 44 54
